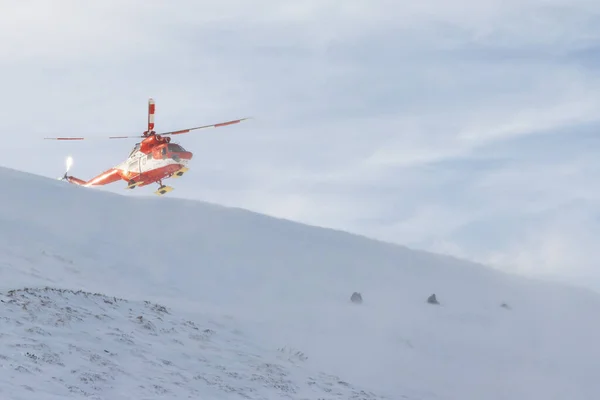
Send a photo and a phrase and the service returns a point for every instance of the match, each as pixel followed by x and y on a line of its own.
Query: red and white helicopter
pixel 150 161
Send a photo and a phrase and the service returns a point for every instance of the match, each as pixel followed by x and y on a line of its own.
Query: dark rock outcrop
pixel 432 299
pixel 356 298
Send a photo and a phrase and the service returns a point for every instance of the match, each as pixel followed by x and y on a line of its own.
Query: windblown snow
pixel 114 297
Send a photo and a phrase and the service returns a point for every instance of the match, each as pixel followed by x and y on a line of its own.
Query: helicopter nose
pixel 182 155
pixel 186 155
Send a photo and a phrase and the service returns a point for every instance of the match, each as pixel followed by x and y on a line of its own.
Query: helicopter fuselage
pixel 150 161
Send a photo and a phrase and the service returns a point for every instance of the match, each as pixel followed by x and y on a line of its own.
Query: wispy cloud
pixel 466 127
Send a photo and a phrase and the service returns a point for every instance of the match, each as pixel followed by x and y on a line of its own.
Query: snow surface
pixel 89 345
pixel 274 296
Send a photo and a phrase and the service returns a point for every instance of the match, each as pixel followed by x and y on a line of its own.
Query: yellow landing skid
pixel 180 172
pixel 134 185
pixel 163 190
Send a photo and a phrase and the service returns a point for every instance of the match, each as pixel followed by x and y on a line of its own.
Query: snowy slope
pixel 282 284
pixel 59 344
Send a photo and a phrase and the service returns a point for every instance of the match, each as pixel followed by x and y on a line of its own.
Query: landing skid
pixel 180 172
pixel 133 185
pixel 163 189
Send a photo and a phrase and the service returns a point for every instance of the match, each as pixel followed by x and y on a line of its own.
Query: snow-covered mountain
pixel 258 306
pixel 60 342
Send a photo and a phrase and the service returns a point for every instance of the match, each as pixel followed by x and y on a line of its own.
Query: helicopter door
pixel 132 166
pixel 136 166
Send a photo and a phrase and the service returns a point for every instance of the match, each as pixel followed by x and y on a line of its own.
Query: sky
pixel 467 127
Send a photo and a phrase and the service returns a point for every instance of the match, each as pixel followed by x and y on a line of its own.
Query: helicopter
pixel 151 160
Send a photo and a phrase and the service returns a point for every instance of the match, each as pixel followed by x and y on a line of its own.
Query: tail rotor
pixel 68 164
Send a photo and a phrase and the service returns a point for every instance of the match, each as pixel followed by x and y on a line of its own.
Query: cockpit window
pixel 135 148
pixel 175 147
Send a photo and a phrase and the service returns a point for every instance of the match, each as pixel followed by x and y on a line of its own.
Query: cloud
pixel 464 127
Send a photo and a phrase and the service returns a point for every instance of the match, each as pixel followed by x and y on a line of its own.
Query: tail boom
pixel 75 181
pixel 110 176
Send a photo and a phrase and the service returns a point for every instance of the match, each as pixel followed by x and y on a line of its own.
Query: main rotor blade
pixel 179 132
pixel 94 137
pixel 235 121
